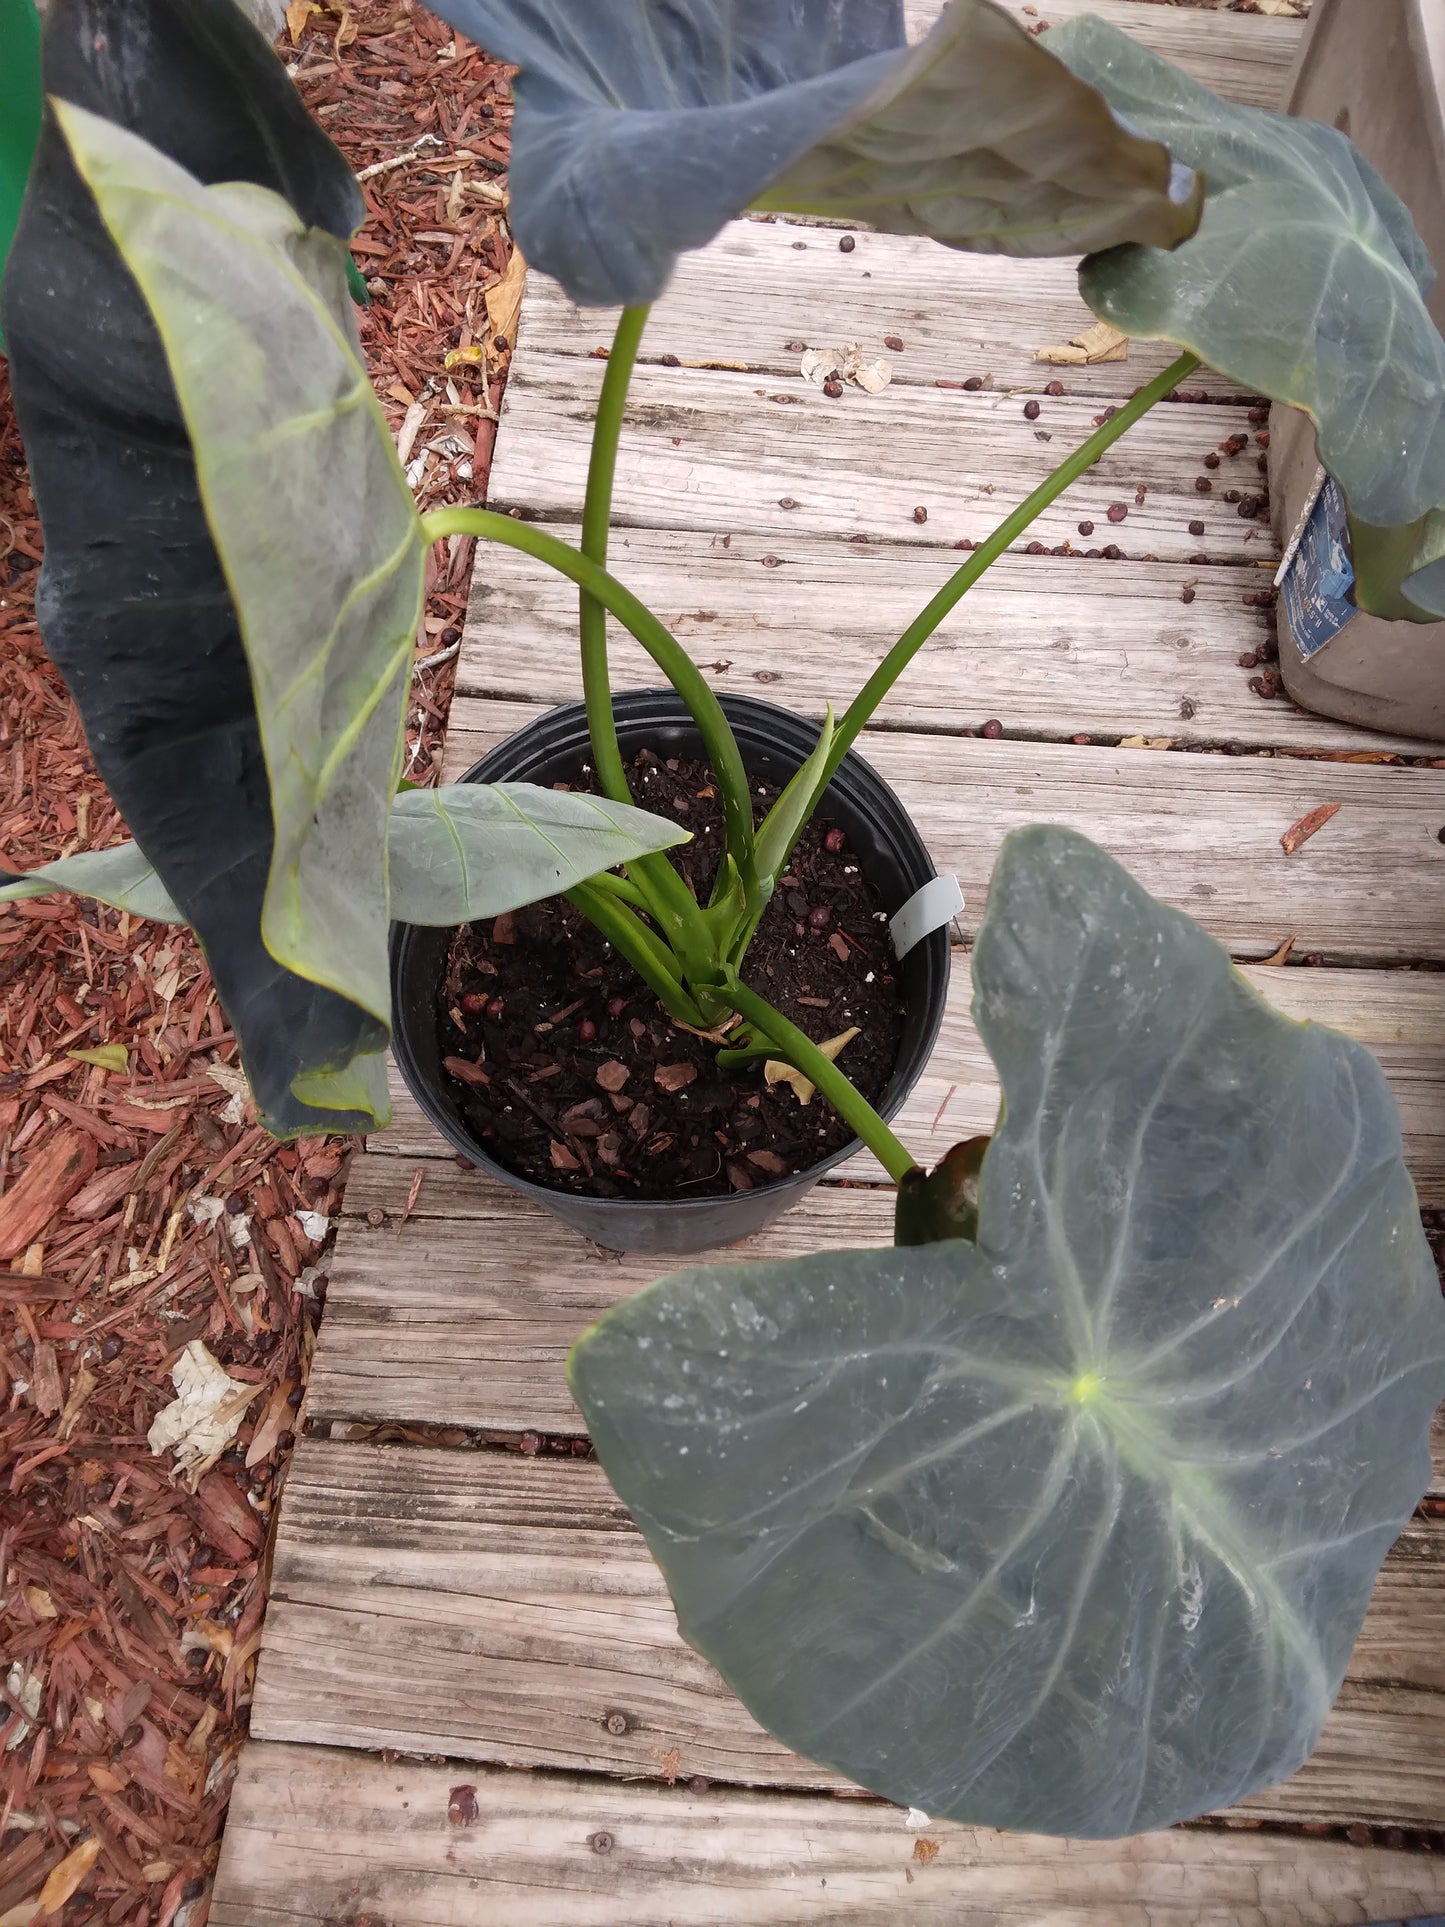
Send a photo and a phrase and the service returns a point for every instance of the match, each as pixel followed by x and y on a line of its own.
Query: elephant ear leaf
pixel 982 140
pixel 1306 282
pixel 121 876
pixel 473 850
pixel 641 129
pixel 1068 1527
pixel 312 518
pixel 135 608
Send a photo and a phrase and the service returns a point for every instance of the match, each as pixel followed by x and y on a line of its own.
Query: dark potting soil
pixel 570 1072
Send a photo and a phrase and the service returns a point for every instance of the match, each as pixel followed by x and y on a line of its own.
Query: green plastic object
pixel 19 111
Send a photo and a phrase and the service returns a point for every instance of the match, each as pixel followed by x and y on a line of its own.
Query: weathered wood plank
pixel 465 1314
pixel 763 284
pixel 1244 57
pixel 499 1608
pixel 1048 646
pixel 1398 1014
pixel 1201 832
pixel 316 1837
pixel 721 453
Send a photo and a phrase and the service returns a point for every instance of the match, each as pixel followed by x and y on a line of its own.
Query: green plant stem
pixel 676 915
pixel 863 705
pixel 655 874
pixel 649 957
pixel 596 528
pixel 620 887
pixel 804 1055
pixel 669 902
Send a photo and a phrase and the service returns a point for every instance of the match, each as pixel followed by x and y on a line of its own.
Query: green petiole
pixel 801 1052
pixel 863 705
pixel 647 954
pixel 692 966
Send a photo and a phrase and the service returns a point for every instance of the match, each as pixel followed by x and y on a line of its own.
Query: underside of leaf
pixel 472 850
pixel 1305 282
pixel 982 140
pixel 642 129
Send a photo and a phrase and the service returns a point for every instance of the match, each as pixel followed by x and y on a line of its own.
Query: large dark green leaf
pixel 1070 1529
pixel 472 850
pixel 312 518
pixel 133 604
pixel 455 854
pixel 1305 281
pixel 642 127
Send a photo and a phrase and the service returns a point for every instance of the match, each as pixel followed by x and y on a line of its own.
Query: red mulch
pixel 130 1606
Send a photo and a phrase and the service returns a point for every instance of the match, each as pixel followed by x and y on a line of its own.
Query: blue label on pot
pixel 1320 577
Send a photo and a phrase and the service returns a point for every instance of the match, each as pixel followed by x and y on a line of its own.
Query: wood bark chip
pixel 49 1181
pixel 674 1077
pixel 1301 832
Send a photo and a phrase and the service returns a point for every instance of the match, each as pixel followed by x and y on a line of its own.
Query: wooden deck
pixel 439 1594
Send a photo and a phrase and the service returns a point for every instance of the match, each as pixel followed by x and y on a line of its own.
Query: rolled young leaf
pixel 1069 1529
pixel 473 850
pixel 1305 281
pixel 783 824
pixel 133 603
pixel 640 130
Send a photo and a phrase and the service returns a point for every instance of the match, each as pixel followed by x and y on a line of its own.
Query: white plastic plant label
pixel 927 910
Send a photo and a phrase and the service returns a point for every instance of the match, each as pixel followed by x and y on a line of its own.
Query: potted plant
pixel 1063 1513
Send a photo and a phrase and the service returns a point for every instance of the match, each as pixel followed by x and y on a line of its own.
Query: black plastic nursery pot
pixel 773 743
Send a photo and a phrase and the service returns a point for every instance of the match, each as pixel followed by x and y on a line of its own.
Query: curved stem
pixel 596 527
pixel 803 1053
pixel 863 705
pixel 632 939
pixel 681 921
pixel 655 874
pixel 613 885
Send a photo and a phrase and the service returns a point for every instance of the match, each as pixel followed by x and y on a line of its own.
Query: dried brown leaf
pixel 81 1387
pixel 1097 343
pixel 777 1072
pixel 1301 832
pixel 66 1879
pixel 504 301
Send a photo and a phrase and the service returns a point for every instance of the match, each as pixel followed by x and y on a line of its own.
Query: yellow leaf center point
pixel 1086 1387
